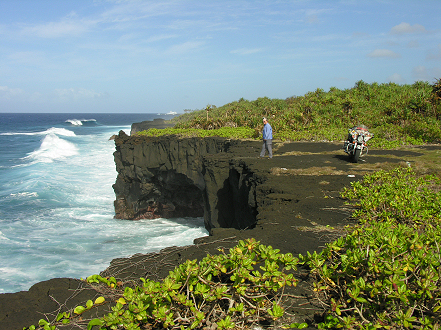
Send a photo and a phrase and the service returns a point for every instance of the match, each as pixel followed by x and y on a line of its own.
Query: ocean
pixel 56 199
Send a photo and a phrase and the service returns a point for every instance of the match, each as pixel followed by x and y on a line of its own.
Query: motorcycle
pixel 355 144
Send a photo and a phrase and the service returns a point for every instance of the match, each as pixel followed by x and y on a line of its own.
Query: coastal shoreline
pixel 300 211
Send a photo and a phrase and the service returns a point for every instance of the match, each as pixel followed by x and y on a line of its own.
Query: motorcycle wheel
pixel 356 155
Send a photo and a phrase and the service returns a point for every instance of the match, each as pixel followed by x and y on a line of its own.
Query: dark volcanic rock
pixel 164 177
pixel 236 189
pixel 42 301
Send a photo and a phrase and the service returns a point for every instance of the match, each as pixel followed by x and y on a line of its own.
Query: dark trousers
pixel 267 145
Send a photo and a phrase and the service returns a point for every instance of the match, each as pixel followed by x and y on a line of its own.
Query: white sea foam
pixel 9 274
pixel 75 122
pixel 53 148
pixel 52 130
pixel 24 194
pixel 79 122
pixel 10 270
pixel 59 131
pixel 3 237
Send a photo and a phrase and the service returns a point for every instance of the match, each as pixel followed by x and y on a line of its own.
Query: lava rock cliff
pixel 170 176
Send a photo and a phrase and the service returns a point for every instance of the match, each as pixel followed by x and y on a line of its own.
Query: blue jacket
pixel 267 133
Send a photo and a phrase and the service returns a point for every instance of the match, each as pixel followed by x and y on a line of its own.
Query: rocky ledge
pixel 290 202
pixel 169 177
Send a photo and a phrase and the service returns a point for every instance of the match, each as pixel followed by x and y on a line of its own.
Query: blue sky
pixel 159 56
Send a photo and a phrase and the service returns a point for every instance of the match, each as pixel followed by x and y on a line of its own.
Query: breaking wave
pixel 52 130
pixel 53 148
pixel 80 122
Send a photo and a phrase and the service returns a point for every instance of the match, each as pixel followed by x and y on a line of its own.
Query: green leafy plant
pixel 64 318
pixel 297 325
pixel 110 281
pixel 228 132
pixel 399 195
pixel 46 325
pixel 385 273
pixel 231 289
pixel 235 289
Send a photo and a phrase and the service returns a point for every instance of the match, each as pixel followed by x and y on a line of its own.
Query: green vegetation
pixel 396 114
pixel 386 272
pixel 64 318
pixel 397 195
pixel 228 132
pixel 233 290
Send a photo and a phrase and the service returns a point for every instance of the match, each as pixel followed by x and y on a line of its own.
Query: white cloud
pixel 78 94
pixel 68 95
pixel 312 19
pixel 360 35
pixel 413 44
pixel 383 53
pixel 246 51
pixel 57 29
pixel 27 57
pixel 8 93
pixel 436 73
pixel 426 74
pixel 161 37
pixel 405 28
pixel 392 43
pixel 396 78
pixel 127 11
pixel 184 47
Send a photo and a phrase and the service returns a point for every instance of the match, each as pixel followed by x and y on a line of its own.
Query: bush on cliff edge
pixel 387 272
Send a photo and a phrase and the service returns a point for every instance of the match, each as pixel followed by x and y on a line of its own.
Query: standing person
pixel 267 136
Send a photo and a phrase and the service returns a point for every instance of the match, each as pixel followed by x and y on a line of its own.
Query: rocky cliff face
pixel 177 177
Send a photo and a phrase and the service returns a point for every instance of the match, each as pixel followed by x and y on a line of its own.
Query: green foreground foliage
pixel 232 290
pixel 386 272
pixel 396 114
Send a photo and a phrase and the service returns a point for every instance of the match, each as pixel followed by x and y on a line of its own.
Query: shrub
pixel 398 195
pixel 386 272
pixel 228 132
pixel 383 275
pixel 230 289
pixel 234 289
